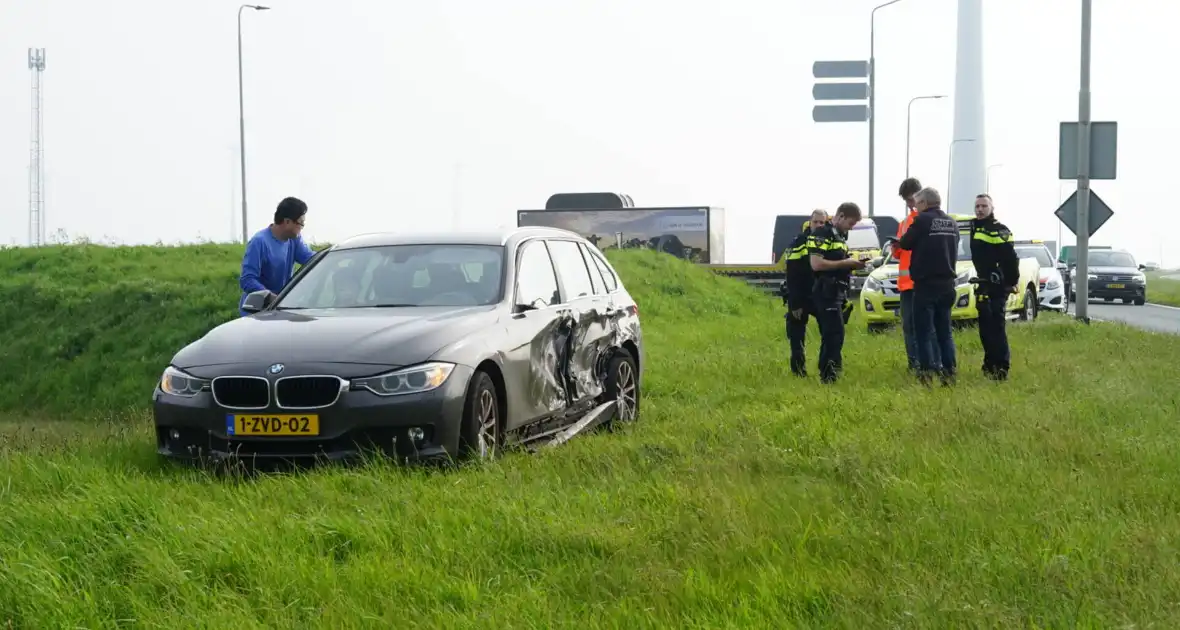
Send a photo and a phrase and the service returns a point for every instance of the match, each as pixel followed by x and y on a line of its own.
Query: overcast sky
pixel 392 115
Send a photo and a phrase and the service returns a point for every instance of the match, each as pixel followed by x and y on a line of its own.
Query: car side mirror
pixel 1142 267
pixel 532 305
pixel 878 262
pixel 257 301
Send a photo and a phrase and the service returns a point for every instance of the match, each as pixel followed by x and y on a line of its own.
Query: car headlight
pixel 872 284
pixel 963 278
pixel 177 383
pixel 1139 279
pixel 1052 284
pixel 411 380
pixel 1091 276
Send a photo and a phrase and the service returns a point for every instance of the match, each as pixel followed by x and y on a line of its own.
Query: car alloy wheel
pixel 487 419
pixel 480 430
pixel 625 399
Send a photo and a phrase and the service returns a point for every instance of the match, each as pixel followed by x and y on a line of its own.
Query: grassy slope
pixel 1162 289
pixel 744 498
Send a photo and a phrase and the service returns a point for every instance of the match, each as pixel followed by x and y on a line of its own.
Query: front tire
pixel 1028 310
pixel 480 434
pixel 622 386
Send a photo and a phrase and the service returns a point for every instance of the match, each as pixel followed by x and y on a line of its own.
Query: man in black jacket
pixel 933 243
pixel 998 268
pixel 833 266
pixel 800 277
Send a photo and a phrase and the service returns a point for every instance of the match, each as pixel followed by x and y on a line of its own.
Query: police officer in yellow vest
pixel 998 268
pixel 833 266
pixel 800 279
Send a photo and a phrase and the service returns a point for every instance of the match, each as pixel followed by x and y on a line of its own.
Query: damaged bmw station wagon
pixel 413 346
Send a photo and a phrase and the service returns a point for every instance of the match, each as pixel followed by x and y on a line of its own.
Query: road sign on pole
pixel 1099 213
pixel 840 91
pixel 839 113
pixel 1104 144
pixel 840 69
pixel 854 112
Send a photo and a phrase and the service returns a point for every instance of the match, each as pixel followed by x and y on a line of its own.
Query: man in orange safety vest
pixel 905 284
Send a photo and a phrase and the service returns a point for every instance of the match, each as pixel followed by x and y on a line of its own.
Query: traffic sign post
pixel 856 112
pixel 1104 150
pixel 1098 213
pixel 1085 201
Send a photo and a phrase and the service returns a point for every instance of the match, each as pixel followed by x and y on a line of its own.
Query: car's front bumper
pixel 883 307
pixel 358 422
pixel 1113 290
pixel 1052 298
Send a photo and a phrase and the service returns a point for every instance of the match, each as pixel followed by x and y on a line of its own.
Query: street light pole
pixel 987 178
pixel 242 120
pixel 873 96
pixel 907 128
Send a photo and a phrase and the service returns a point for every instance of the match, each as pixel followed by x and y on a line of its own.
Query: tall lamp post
pixel 873 95
pixel 907 127
pixel 987 177
pixel 242 119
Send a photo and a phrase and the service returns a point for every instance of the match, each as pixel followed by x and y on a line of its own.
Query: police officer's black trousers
pixel 797 333
pixel 829 314
pixel 990 302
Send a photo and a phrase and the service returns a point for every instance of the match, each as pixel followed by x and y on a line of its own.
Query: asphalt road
pixel 1148 317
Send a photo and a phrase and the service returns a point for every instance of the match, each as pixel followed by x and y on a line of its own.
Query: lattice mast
pixel 36 153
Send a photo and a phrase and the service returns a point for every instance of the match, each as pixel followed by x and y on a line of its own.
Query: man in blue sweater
pixel 273 251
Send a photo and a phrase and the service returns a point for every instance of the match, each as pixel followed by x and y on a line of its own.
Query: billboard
pixel 681 232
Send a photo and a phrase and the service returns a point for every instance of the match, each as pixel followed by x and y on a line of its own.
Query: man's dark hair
pixel 850 210
pixel 290 208
pixel 984 196
pixel 909 187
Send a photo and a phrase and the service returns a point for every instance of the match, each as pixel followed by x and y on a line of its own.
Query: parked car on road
pixel 1113 275
pixel 1053 291
pixel 414 346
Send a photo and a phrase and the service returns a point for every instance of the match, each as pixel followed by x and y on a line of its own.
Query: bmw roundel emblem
pixel 276 368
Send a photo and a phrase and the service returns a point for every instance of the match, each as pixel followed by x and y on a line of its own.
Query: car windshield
pixel 1035 251
pixel 1099 258
pixel 400 275
pixel 863 237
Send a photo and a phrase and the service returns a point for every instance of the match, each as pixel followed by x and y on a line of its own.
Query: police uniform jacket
pixel 800 277
pixel 828 243
pixel 993 252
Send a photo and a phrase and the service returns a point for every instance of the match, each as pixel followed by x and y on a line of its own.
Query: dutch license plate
pixel 270 425
pixel 1116 286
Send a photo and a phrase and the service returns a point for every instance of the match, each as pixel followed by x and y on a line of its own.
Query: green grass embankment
pixel 743 498
pixel 1164 288
pixel 88 328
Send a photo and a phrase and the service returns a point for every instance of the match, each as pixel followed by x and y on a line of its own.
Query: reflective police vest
pixel 904 281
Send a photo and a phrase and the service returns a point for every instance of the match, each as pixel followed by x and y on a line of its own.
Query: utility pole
pixel 242 120
pixel 1083 195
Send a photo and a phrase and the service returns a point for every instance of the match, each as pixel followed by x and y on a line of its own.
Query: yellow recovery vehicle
pixel 881 301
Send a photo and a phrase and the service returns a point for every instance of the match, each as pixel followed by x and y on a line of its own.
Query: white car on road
pixel 1052 290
